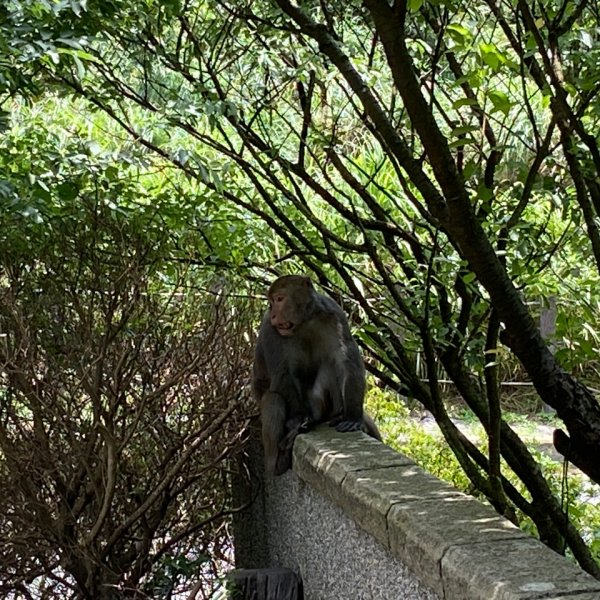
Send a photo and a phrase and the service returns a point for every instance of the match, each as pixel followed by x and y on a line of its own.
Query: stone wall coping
pixel 456 545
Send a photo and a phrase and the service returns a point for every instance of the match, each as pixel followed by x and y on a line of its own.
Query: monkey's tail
pixel 370 427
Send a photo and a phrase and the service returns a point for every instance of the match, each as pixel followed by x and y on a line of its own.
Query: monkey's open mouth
pixel 286 328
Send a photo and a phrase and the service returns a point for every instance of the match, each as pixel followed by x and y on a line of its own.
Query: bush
pixel 123 409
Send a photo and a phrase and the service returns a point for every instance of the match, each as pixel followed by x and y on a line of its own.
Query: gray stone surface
pixel 422 533
pixel 356 520
pixel 513 569
pixel 250 523
pixel 336 559
pixel 324 457
pixel 368 496
pixel 264 584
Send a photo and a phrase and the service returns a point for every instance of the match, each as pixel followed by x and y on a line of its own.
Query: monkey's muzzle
pixel 285 329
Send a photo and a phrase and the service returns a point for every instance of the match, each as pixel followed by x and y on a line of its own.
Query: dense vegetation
pixel 124 381
pixel 433 164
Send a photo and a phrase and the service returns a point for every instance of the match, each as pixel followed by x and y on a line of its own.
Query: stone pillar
pixel 249 524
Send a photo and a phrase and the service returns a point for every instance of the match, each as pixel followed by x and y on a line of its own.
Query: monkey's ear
pixel 308 282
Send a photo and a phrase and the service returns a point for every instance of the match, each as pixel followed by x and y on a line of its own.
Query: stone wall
pixel 358 520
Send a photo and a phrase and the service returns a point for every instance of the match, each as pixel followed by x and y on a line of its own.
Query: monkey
pixel 307 369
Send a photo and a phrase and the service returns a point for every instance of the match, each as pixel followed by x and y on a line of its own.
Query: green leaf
pixel 500 101
pixel 67 191
pixel 491 56
pixel 469 170
pixel 461 142
pixel 460 35
pixel 464 102
pixel 77 53
pixel 459 131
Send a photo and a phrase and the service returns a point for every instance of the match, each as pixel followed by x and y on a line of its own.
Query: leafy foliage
pixel 434 164
pixel 123 407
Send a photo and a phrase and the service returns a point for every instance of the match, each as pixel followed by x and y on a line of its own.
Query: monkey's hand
pixel 306 425
pixel 295 428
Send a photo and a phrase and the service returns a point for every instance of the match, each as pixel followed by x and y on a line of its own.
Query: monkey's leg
pixel 351 374
pixel 295 427
pixel 272 414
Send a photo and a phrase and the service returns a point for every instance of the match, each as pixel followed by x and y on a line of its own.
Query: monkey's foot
pixel 346 426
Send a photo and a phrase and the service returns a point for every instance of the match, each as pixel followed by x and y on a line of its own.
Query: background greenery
pixel 433 164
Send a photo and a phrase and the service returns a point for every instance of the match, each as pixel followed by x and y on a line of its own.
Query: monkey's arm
pixel 261 381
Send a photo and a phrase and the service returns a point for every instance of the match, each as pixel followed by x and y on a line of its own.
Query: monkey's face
pixel 290 300
pixel 282 314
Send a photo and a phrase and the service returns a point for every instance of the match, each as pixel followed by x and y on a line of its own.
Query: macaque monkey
pixel 307 369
